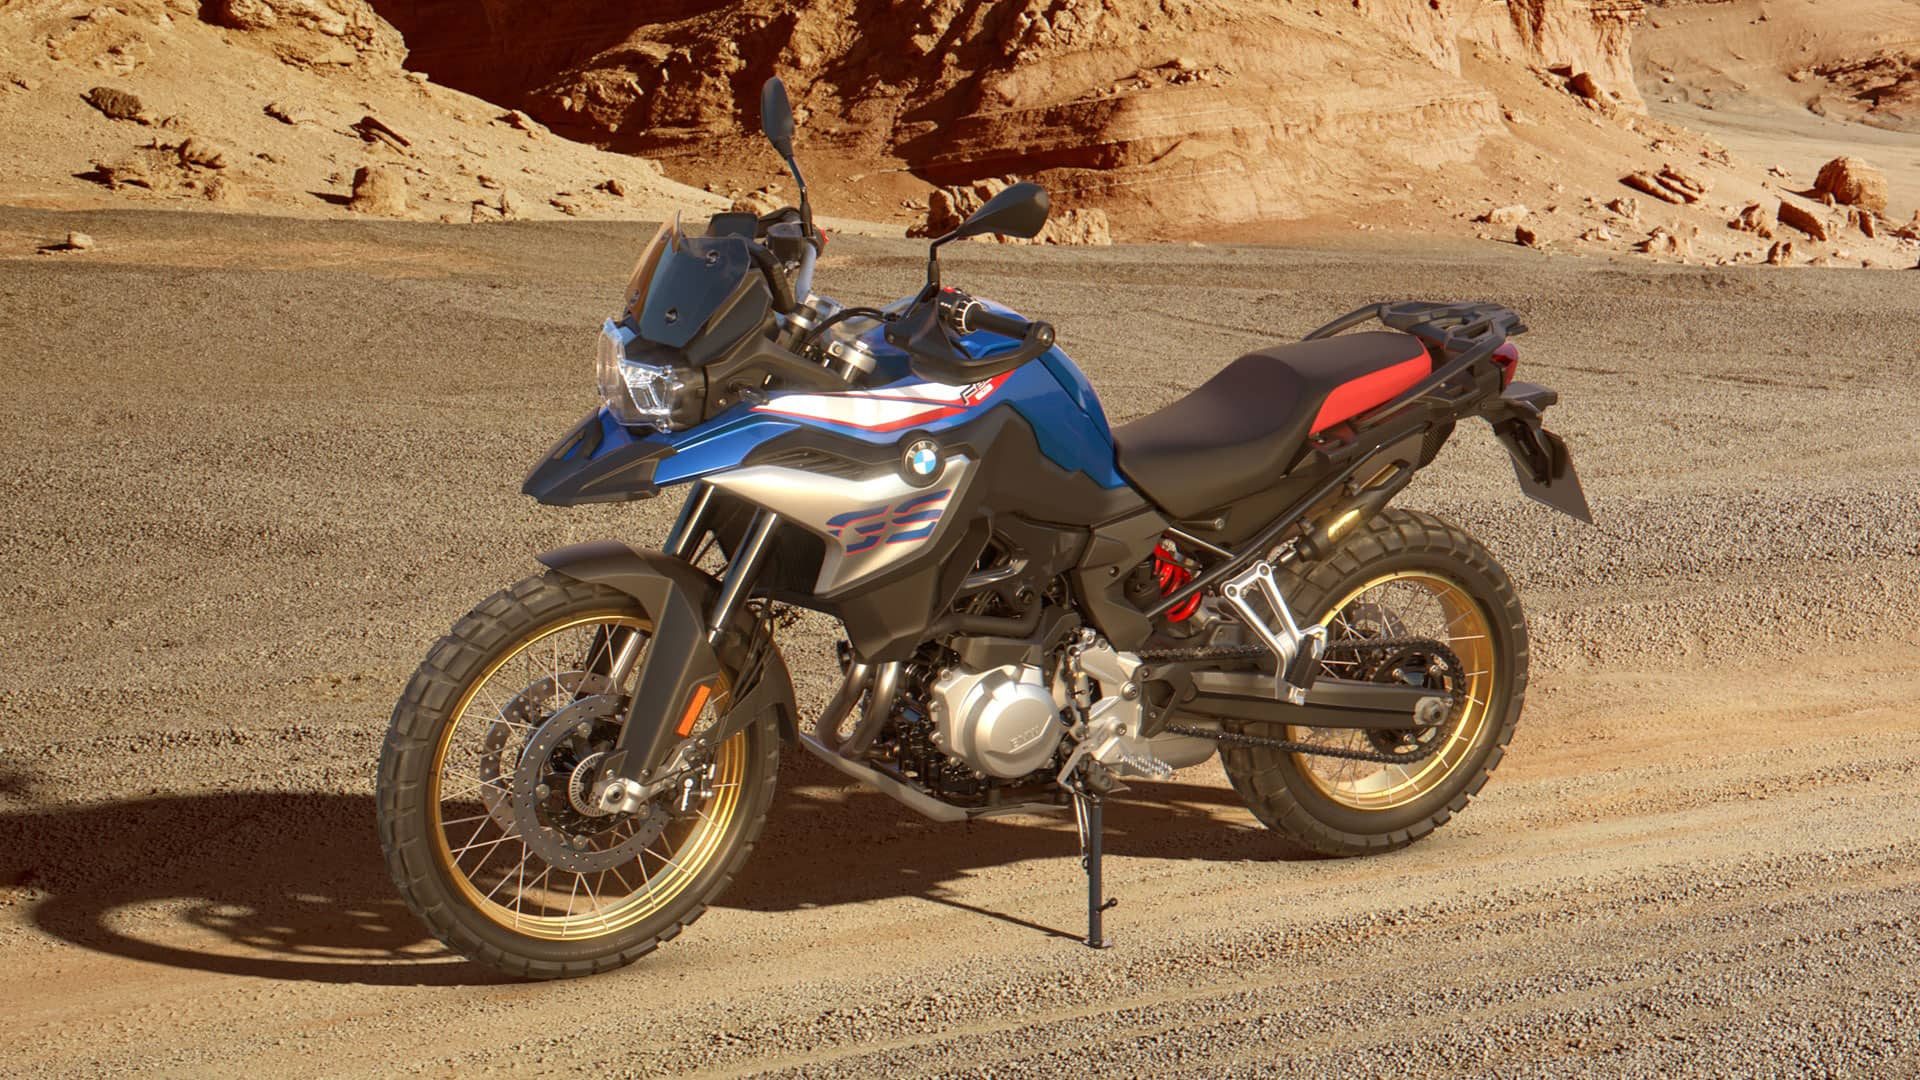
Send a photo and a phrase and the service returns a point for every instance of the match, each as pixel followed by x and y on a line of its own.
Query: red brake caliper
pixel 1171 575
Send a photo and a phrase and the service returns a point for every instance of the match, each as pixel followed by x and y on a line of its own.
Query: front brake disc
pixel 549 823
pixel 522 715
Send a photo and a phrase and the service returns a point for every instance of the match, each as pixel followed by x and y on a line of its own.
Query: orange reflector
pixel 700 695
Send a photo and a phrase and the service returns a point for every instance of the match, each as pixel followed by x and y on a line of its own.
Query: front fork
pixel 652 753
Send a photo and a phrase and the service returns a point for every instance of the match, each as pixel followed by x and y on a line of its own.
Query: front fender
pixel 679 660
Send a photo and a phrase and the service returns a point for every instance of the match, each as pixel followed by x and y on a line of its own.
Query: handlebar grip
pixel 975 316
pixel 965 315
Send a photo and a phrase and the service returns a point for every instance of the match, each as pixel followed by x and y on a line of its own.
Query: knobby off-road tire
pixel 443 696
pixel 1371 587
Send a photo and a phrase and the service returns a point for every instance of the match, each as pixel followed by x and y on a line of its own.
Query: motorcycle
pixel 1035 606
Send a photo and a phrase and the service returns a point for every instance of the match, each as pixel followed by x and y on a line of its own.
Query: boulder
pixel 1586 86
pixel 288 114
pixel 1756 219
pixel 1850 181
pixel 75 241
pixel 948 207
pixel 1526 237
pixel 1687 187
pixel 1505 215
pixel 1089 227
pixel 374 130
pixel 1781 254
pixel 117 104
pixel 1648 184
pixel 514 118
pixel 200 153
pixel 1662 241
pixel 379 191
pixel 1626 206
pixel 1795 216
pixel 1862 220
pixel 131 171
pixel 221 191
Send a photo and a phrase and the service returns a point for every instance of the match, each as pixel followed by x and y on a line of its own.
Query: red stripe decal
pixel 1350 399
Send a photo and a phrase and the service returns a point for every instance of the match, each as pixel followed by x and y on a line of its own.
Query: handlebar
pixel 963 315
pixel 928 329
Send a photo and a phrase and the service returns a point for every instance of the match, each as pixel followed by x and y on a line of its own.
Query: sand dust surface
pixel 244 494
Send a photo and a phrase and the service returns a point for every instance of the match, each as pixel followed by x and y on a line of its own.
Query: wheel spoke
pixel 480 759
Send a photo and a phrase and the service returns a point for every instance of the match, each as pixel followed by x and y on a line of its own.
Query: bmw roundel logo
pixel 923 458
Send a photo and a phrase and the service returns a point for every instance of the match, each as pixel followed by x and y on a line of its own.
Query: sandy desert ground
pixel 253 466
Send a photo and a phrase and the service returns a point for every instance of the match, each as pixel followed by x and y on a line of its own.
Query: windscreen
pixel 693 277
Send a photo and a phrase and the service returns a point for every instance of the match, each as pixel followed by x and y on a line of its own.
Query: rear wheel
pixel 1403 576
pixel 483 787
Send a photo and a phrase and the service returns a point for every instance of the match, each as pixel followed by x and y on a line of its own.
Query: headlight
pixel 658 396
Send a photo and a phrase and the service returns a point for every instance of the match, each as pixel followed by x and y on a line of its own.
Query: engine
pixel 975 735
pixel 1002 721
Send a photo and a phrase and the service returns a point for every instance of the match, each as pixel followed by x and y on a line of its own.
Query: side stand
pixel 1087 812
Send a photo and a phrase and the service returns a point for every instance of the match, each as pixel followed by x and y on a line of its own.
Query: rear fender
pixel 1541 461
pixel 681 668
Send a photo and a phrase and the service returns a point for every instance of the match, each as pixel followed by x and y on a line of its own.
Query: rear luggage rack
pixel 1446 329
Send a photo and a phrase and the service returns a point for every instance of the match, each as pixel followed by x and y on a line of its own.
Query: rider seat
pixel 1242 429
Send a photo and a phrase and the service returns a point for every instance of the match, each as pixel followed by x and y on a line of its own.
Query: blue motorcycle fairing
pixel 601 460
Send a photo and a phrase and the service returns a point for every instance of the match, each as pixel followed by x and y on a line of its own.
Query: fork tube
pixel 692 521
pixel 623 660
pixel 740 573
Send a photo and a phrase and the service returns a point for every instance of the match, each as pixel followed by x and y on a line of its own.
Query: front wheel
pixel 1403 577
pixel 483 781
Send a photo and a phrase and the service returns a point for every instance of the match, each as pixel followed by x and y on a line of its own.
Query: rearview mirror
pixel 776 116
pixel 1020 210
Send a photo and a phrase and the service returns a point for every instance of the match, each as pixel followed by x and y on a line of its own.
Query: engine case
pixel 1001 721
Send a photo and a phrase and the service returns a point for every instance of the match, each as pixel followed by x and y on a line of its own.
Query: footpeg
pixel 1297 651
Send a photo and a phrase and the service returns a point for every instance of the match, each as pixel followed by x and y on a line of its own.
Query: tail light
pixel 1506 358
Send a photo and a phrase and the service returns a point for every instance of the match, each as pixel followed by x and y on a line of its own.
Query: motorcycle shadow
pixel 291 885
pixel 828 844
pixel 278 885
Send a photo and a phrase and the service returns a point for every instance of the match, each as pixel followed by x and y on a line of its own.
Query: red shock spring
pixel 1171 576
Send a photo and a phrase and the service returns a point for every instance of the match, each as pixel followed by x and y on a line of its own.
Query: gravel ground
pixel 253 467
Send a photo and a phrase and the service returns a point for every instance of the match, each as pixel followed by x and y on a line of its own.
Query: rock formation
pixel 1150 109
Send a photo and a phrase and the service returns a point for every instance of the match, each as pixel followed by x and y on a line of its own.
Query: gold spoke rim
pixel 1467 630
pixel 566 905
